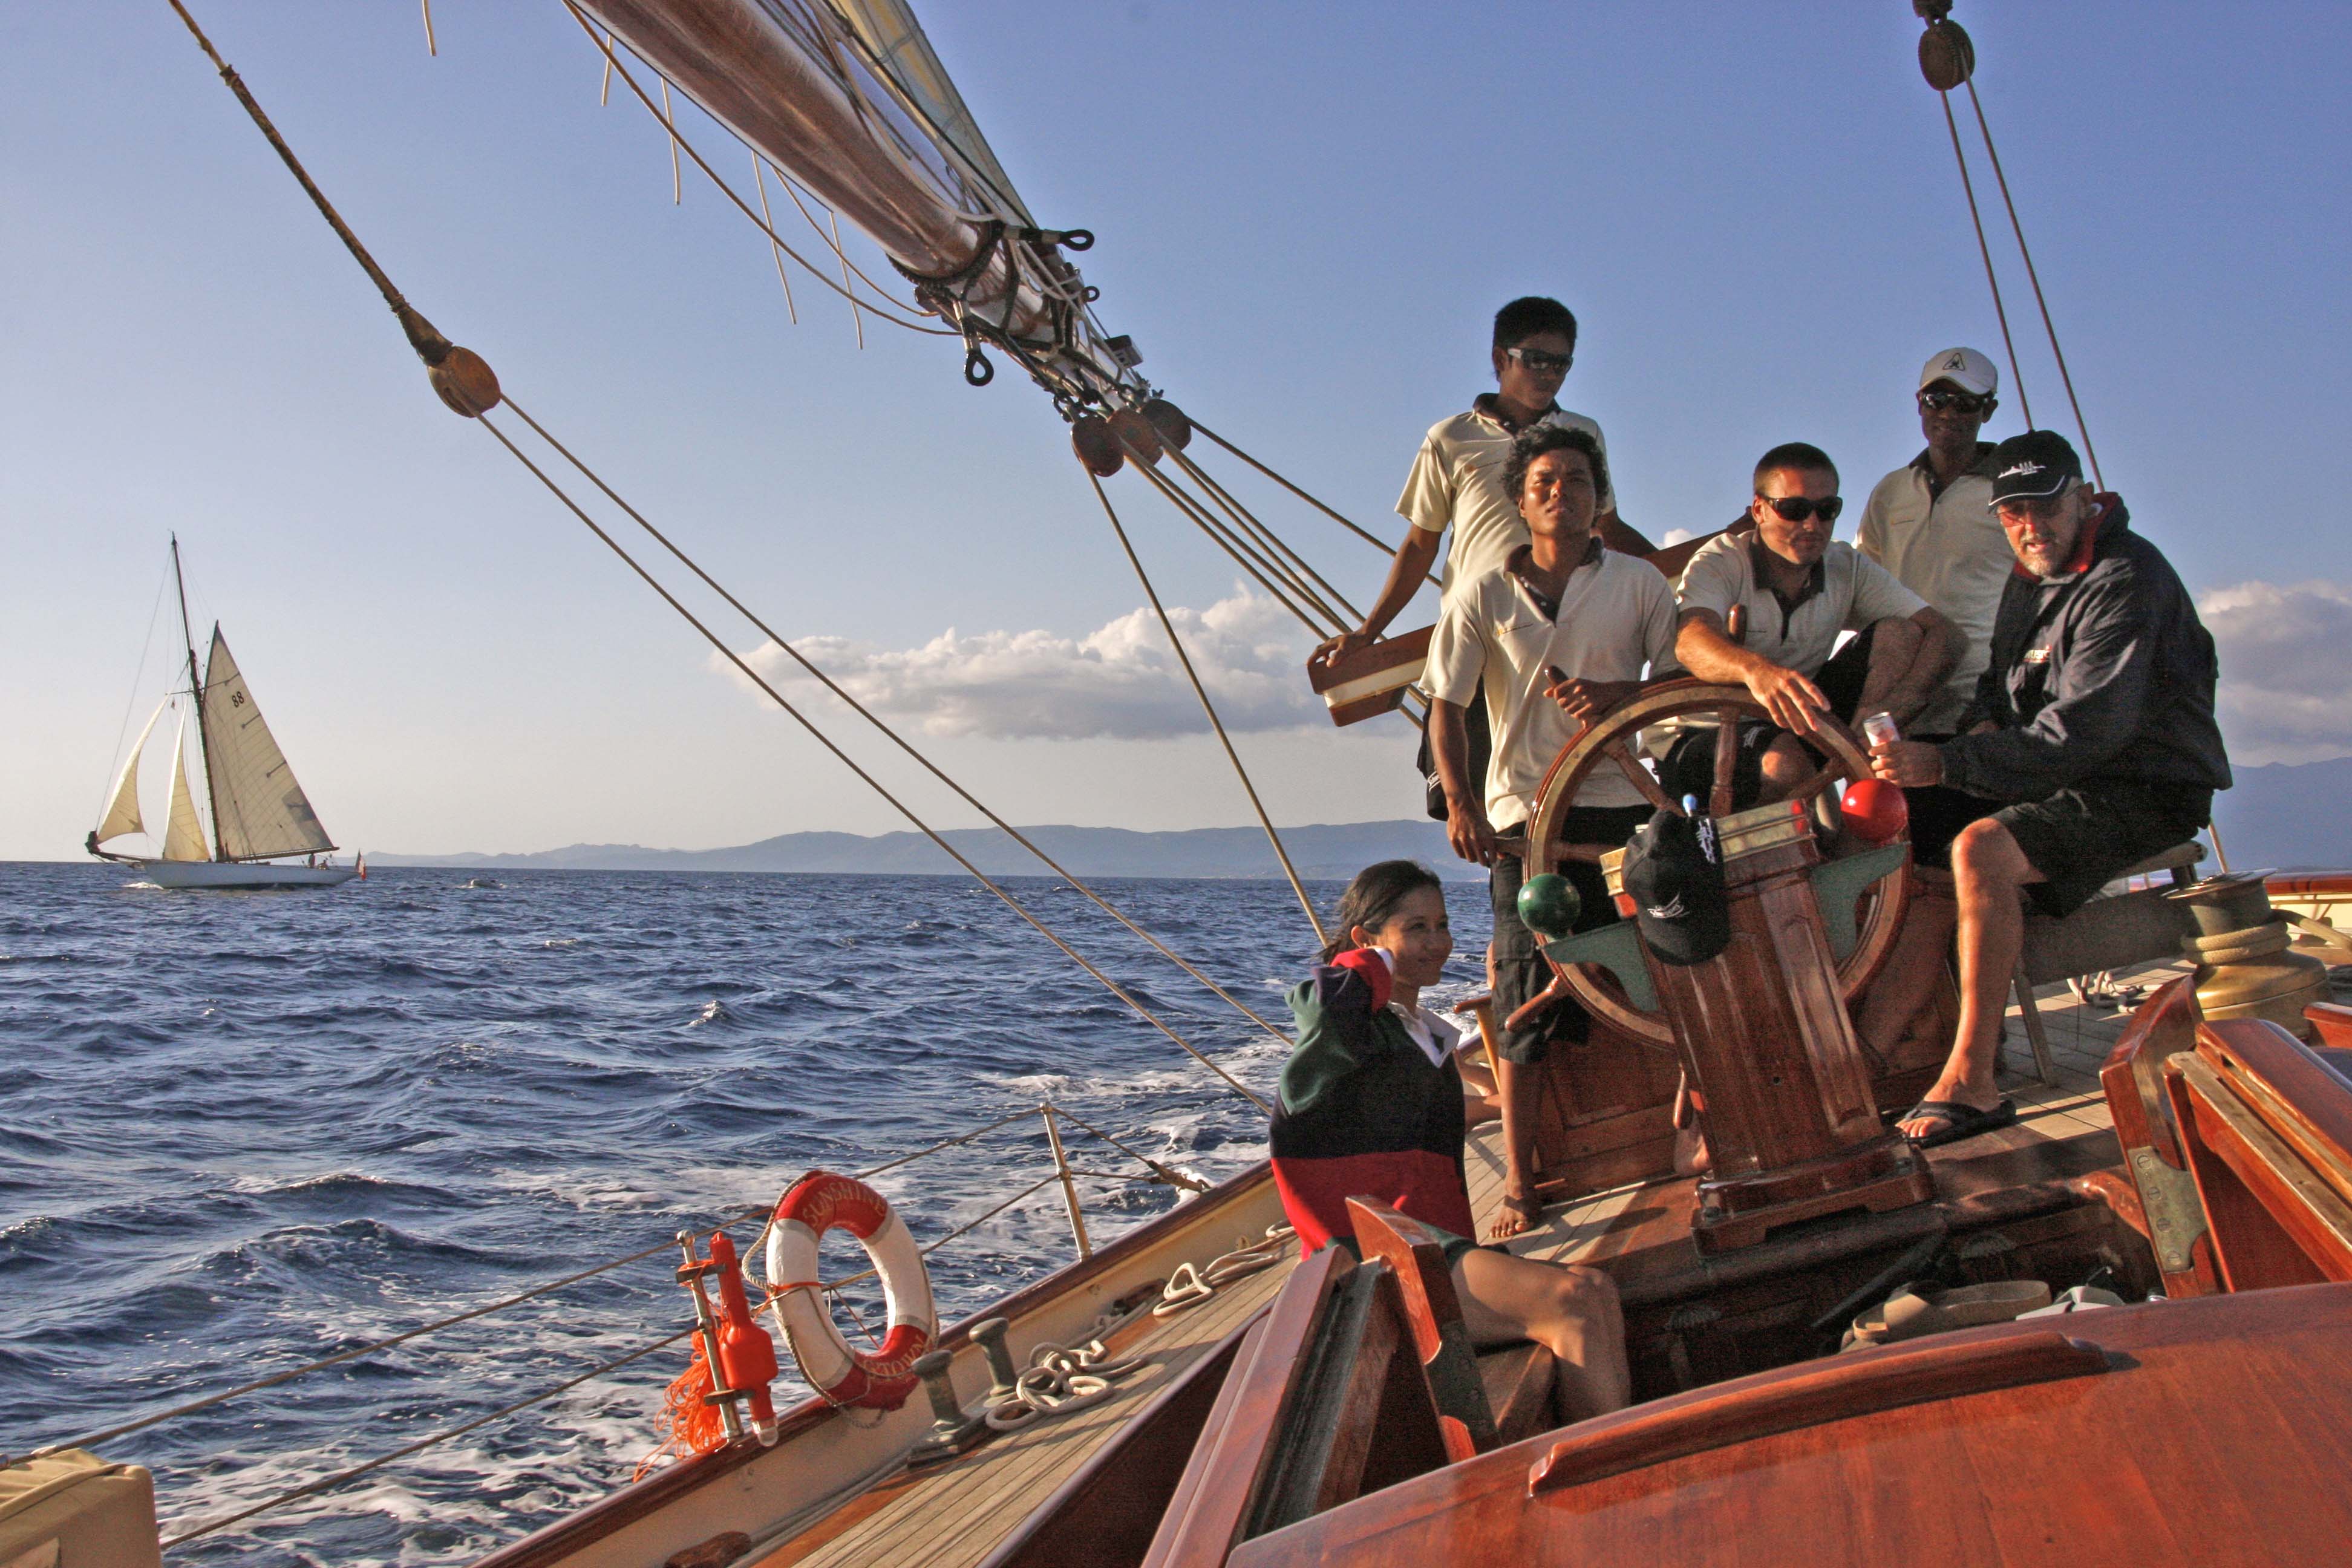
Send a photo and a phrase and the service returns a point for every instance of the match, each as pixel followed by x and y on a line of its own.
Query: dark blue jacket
pixel 2101 672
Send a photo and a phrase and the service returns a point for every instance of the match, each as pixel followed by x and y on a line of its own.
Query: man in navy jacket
pixel 2090 746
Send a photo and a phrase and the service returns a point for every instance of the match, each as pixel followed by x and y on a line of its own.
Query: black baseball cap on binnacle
pixel 1677 886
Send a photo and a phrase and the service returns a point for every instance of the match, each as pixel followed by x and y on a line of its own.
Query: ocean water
pixel 239 1132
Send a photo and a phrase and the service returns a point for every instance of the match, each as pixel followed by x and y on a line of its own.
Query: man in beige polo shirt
pixel 1931 521
pixel 1558 632
pixel 1456 482
pixel 1797 590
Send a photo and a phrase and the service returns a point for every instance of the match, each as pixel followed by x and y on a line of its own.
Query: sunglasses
pixel 1936 401
pixel 1540 363
pixel 1796 509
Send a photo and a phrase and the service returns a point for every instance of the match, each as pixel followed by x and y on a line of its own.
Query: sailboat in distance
pixel 259 813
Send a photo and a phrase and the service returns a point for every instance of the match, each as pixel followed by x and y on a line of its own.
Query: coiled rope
pixel 1189 1287
pixel 1061 1380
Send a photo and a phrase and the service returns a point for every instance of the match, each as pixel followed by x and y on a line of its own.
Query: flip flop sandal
pixel 1960 1120
pixel 1911 1311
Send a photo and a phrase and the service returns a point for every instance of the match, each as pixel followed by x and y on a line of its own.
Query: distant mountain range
pixel 2277 815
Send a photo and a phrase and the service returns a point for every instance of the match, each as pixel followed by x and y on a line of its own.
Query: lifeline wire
pixel 340 1477
pixel 1209 708
pixel 900 741
pixel 872 782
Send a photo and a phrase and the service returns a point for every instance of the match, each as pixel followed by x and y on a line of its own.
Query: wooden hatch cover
pixel 2205 1431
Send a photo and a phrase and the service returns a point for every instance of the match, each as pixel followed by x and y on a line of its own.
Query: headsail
pixel 183 837
pixel 122 807
pixel 257 808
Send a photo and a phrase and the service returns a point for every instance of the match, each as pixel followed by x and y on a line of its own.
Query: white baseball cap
pixel 1964 368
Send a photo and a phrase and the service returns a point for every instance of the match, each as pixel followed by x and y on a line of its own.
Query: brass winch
pixel 2245 965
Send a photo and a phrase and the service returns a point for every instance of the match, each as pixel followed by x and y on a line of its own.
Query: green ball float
pixel 1549 906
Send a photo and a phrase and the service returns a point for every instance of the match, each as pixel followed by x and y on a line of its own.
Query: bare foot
pixel 1516 1217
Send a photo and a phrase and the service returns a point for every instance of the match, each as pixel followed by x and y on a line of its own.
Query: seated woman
pixel 1371 1106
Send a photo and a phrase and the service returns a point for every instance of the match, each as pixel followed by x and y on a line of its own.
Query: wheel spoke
pixel 1818 782
pixel 1652 790
pixel 1726 751
pixel 1583 854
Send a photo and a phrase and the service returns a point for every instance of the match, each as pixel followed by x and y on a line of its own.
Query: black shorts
pixel 2080 838
pixel 1521 969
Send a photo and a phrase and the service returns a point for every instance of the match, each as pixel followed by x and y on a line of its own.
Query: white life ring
pixel 879 1379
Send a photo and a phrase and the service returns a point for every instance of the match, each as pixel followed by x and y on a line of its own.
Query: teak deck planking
pixel 953 1516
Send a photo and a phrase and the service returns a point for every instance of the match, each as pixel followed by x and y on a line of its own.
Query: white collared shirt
pixel 1853 592
pixel 1616 622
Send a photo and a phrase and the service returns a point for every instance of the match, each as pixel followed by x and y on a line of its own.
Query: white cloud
pixel 1119 682
pixel 2284 652
pixel 1676 536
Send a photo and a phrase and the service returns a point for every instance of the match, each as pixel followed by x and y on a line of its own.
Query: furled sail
pixel 184 835
pixel 122 807
pixel 257 808
pixel 848 97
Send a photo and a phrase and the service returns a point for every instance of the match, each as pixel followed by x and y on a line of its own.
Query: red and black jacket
pixel 1363 1112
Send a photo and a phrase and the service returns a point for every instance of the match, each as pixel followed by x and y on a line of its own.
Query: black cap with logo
pixel 1677 886
pixel 2038 463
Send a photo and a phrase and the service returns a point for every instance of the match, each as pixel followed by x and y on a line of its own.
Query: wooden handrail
pixel 1862 1384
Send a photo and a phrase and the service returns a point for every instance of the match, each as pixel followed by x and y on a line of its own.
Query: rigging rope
pixel 719 645
pixel 867 714
pixel 2034 278
pixel 435 349
pixel 1249 560
pixel 1243 514
pixel 1207 707
pixel 1367 535
pixel 760 178
pixel 2015 378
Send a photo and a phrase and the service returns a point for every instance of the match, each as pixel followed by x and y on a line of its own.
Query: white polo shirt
pixel 1457 480
pixel 1848 591
pixel 1616 622
pixel 1948 547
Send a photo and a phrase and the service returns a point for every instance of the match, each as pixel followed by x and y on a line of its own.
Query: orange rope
pixel 694 1427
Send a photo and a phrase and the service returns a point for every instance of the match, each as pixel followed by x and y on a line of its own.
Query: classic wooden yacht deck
pixel 961 1513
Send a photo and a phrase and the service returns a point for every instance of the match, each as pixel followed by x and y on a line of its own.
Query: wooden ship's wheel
pixel 1762 1029
pixel 1609 741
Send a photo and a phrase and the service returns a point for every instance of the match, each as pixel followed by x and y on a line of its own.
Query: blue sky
pixel 1306 217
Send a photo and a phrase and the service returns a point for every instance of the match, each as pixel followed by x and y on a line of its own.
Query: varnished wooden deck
pixel 955 1515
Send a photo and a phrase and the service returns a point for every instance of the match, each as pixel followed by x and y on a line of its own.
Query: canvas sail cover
pixel 122 807
pixel 257 808
pixel 184 835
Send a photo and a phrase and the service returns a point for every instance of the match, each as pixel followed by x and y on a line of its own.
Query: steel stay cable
pixel 1152 593
pixel 1952 124
pixel 340 1477
pixel 1159 1169
pixel 900 741
pixel 729 192
pixel 872 782
pixel 2034 277
pixel 1249 560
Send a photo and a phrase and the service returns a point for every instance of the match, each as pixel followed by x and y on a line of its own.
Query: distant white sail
pixel 122 810
pixel 183 837
pixel 257 808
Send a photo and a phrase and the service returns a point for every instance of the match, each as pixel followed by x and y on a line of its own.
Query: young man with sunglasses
pixel 1797 589
pixel 2090 745
pixel 1456 483
pixel 1930 521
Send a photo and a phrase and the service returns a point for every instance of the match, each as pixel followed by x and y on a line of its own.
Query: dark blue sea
pixel 239 1132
